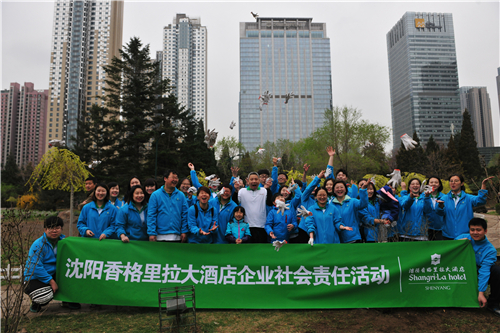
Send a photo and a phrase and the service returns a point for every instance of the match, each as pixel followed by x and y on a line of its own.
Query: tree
pixel 229 152
pixel 467 149
pixel 10 171
pixel 60 169
pixel 349 134
pixel 413 160
pixel 431 146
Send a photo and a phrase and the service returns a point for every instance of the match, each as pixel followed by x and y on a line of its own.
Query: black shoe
pixel 71 306
pixel 35 308
pixel 494 309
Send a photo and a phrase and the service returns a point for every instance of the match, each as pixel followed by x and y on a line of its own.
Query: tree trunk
pixel 71 212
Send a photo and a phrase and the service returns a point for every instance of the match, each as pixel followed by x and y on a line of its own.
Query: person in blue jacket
pixel 114 192
pixel 40 270
pixel 325 223
pixel 279 178
pixel 213 184
pixel 97 218
pixel 167 212
pixel 202 219
pixel 225 206
pixel 184 186
pixel 456 207
pixel 280 222
pixel 434 221
pixel 370 216
pixel 487 271
pixel 413 226
pixel 308 197
pixel 238 231
pixel 349 209
pixel 131 222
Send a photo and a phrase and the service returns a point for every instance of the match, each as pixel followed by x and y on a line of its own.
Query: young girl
pixel 131 222
pixel 279 225
pixel 413 225
pixel 97 218
pixel 238 231
pixel 114 192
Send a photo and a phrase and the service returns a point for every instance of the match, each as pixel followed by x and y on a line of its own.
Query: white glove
pixel 231 126
pixel 278 244
pixel 213 183
pixel 288 96
pixel 396 178
pixel 210 177
pixel 328 172
pixel 260 151
pixel 372 180
pixel 221 192
pixel 311 241
pixel 303 211
pixel 192 189
pixel 282 206
pixel 408 142
pixel 278 159
pixel 236 179
pixel 292 188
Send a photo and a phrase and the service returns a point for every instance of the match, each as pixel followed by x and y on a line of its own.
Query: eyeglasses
pixel 55 228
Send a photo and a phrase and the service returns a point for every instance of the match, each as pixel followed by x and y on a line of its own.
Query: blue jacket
pixel 413 222
pixel 367 217
pixel 277 223
pixel 118 203
pixel 41 262
pixel 192 201
pixel 324 224
pixel 392 231
pixel 238 229
pixel 435 221
pixel 352 190
pixel 456 219
pixel 197 184
pixel 167 213
pixel 275 188
pixel 205 221
pixel 307 199
pixel 486 256
pixel 225 215
pixel 130 223
pixel 349 210
pixel 103 223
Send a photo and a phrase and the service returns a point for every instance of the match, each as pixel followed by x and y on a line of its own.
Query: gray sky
pixel 357 32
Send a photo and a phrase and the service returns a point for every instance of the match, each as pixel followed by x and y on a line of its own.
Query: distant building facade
pixel 185 63
pixel 477 101
pixel 23 115
pixel 281 56
pixel 86 35
pixel 423 77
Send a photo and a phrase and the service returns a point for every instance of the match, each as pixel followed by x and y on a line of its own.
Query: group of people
pixel 269 208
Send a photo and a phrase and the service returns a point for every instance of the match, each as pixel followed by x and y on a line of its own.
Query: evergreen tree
pixel 467 149
pixel 246 166
pixel 413 160
pixel 451 158
pixel 431 146
pixel 10 171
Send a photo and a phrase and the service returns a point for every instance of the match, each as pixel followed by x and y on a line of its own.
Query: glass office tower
pixel 423 77
pixel 281 56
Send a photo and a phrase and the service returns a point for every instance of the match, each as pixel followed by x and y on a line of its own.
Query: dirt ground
pixel 380 320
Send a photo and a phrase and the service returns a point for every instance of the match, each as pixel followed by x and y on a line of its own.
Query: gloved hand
pixel 221 192
pixel 328 172
pixel 192 189
pixel 278 244
pixel 311 241
pixel 292 188
pixel 260 151
pixel 302 211
pixel 231 126
pixel 282 206
pixel 396 178
pixel 408 142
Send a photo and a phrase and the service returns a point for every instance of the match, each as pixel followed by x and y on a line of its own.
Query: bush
pixel 497 208
pixel 27 201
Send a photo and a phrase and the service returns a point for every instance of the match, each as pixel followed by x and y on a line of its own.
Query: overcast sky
pixel 357 32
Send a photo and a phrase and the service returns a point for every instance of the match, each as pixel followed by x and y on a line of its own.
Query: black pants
pixel 302 238
pixel 259 235
pixel 494 282
pixel 35 284
pixel 434 235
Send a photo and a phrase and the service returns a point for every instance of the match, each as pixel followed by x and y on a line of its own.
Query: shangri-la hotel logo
pixel 419 23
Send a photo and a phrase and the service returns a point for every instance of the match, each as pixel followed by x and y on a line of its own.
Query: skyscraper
pixel 477 101
pixel 282 56
pixel 86 35
pixel 185 63
pixel 23 112
pixel 423 77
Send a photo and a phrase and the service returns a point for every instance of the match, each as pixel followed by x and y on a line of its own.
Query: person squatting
pixel 265 210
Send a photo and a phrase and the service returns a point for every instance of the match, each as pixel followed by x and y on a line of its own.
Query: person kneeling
pixel 40 272
pixel 487 271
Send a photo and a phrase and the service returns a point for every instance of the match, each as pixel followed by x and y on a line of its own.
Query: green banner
pixel 255 276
